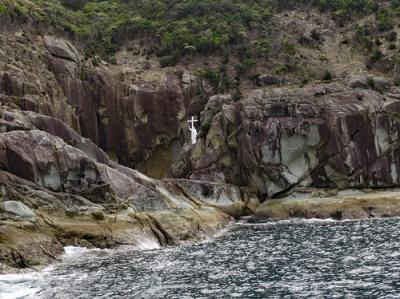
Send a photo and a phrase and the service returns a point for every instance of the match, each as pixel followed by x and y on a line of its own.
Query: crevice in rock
pixel 18 259
pixel 155 225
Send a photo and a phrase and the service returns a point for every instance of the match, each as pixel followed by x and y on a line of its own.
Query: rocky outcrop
pixel 327 135
pixel 65 190
pixel 131 117
pixel 351 206
pixel 132 114
pixel 25 79
pixel 62 49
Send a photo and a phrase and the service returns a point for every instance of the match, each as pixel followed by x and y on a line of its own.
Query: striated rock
pixel 327 135
pixel 78 196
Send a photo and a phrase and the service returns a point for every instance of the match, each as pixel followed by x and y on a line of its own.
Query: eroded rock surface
pixel 133 115
pixel 328 135
pixel 58 188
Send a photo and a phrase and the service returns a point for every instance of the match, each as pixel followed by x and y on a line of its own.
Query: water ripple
pixel 253 259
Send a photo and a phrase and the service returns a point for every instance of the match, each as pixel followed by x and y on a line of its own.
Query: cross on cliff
pixel 193 129
pixel 192 121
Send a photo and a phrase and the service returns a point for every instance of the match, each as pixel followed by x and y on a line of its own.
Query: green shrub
pixel 240 69
pixel 367 43
pixel 98 215
pixel 3 9
pixel 249 62
pixel 168 61
pixel 376 56
pixel 263 47
pixel 327 76
pixel 371 83
pixel 237 95
pixel 281 69
pixel 289 48
pixel 392 36
pixel 212 77
pixel 384 20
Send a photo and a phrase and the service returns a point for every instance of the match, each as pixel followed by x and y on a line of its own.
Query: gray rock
pixel 224 196
pixel 19 209
pixel 62 49
pixel 326 135
pixel 358 81
pixel 72 212
pixel 382 84
pixel 369 82
pixel 267 79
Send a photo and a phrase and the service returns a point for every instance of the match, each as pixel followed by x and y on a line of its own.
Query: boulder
pixel 61 48
pixel 18 208
pixel 267 79
pixel 367 81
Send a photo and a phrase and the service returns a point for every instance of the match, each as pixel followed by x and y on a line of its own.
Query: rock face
pixel 336 135
pixel 130 118
pixel 69 124
pixel 132 115
pixel 66 191
pixel 328 135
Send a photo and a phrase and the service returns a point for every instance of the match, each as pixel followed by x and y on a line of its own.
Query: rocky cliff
pixel 337 135
pixel 315 113
pixel 58 188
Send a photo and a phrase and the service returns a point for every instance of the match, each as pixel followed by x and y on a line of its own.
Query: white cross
pixel 192 121
pixel 193 130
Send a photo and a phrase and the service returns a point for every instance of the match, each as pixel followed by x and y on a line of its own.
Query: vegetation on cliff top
pixel 182 27
pixel 172 29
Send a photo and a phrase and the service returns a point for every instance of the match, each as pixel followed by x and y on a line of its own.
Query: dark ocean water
pixel 251 259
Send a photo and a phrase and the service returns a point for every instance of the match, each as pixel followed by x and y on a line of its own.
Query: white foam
pixel 287 221
pixel 74 251
pixel 70 251
pixel 147 244
pixel 13 286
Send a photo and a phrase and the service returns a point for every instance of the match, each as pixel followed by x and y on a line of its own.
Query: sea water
pixel 251 259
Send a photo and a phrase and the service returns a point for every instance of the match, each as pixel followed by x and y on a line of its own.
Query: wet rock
pixel 83 197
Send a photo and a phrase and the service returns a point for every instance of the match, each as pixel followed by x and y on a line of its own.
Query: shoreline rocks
pixel 59 189
pixel 351 206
